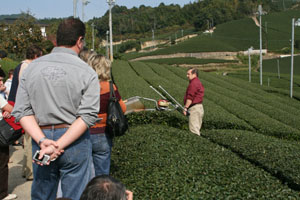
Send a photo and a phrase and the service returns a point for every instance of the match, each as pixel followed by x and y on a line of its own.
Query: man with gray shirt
pixel 57 100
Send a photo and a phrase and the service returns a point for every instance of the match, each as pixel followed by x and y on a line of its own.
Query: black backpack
pixel 116 123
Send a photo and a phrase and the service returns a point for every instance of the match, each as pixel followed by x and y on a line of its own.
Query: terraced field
pixel 249 148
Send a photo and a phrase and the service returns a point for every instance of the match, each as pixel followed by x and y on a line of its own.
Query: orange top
pixel 99 127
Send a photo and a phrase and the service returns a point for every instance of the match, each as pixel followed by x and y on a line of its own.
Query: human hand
pixel 50 148
pixel 6 114
pixel 129 195
pixel 48 142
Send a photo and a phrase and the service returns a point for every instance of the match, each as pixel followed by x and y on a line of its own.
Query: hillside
pixel 238 35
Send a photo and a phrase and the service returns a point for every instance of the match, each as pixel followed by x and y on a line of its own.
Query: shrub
pixel 279 157
pixel 160 162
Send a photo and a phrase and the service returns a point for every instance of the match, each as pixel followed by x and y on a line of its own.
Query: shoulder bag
pixel 8 135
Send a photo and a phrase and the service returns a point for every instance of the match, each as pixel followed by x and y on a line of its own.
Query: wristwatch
pixel 42 140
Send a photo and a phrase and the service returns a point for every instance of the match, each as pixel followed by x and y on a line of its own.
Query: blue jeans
pixel 101 150
pixel 72 168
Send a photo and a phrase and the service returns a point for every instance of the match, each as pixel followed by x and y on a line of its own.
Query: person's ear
pixel 78 42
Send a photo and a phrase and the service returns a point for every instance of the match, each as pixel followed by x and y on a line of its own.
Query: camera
pixel 44 159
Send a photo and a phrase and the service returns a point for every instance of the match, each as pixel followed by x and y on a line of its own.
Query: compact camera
pixel 44 159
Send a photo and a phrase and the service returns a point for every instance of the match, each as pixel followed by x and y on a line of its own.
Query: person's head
pixel 2 76
pixel 192 73
pixel 86 54
pixel 70 34
pixel 33 52
pixel 10 73
pixel 99 63
pixel 104 187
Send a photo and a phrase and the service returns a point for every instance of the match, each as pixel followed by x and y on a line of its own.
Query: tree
pixel 15 38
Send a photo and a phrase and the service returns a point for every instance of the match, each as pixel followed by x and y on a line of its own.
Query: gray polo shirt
pixel 58 88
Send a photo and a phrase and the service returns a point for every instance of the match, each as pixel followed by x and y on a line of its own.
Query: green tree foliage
pixel 15 38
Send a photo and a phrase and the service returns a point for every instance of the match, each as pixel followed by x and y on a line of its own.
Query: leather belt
pixel 56 126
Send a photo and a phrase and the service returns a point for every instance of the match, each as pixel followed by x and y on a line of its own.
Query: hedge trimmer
pixel 134 104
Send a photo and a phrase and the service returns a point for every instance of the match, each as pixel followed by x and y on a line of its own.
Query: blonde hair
pixel 99 63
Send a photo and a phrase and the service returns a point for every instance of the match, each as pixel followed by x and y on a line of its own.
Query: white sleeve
pixel 3 102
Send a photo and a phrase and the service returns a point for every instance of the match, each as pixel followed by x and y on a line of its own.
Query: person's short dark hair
pixel 10 72
pixel 2 73
pixel 194 71
pixel 32 51
pixel 68 32
pixel 104 187
pixel 3 54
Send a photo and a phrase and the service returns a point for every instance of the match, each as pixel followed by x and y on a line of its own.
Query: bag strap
pixel 111 82
pixel 111 90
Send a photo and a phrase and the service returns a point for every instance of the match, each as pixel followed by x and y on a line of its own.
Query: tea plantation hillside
pixel 276 73
pixel 249 148
pixel 238 35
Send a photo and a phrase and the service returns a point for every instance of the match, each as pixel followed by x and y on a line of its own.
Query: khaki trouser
pixel 195 118
pixel 27 160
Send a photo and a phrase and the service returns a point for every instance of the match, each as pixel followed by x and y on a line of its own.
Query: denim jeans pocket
pixel 100 143
pixel 77 152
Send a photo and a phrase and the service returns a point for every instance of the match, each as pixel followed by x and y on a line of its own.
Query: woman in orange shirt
pixel 101 142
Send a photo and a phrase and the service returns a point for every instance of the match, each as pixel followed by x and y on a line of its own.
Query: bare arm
pixel 9 108
pixel 73 133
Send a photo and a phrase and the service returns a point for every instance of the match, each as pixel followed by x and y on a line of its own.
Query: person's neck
pixel 28 61
pixel 74 48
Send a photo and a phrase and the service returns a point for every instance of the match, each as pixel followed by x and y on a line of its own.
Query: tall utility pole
pixel 153 38
pixel 93 36
pixel 111 3
pixel 260 44
pixel 292 58
pixel 74 8
pixel 84 3
pixel 249 55
pixel 107 51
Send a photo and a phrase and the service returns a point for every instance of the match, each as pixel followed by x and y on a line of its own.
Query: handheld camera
pixel 44 159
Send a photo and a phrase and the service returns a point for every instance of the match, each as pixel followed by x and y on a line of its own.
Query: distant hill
pixel 139 22
pixel 2 17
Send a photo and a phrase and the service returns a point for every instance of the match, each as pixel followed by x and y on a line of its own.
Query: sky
pixel 64 8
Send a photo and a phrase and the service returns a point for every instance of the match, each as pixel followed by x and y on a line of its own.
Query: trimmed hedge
pixel 232 102
pixel 279 157
pixel 215 117
pixel 160 162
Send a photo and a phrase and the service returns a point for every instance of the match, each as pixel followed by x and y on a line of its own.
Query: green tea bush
pixel 215 116
pixel 160 162
pixel 279 157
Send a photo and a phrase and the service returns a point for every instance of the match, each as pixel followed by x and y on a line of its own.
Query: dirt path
pixel 16 183
pixel 203 55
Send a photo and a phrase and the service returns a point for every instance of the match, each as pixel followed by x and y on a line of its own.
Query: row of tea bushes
pixel 257 91
pixel 280 158
pixel 244 108
pixel 161 162
pixel 215 117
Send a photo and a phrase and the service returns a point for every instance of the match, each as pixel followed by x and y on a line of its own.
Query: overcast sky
pixel 64 8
